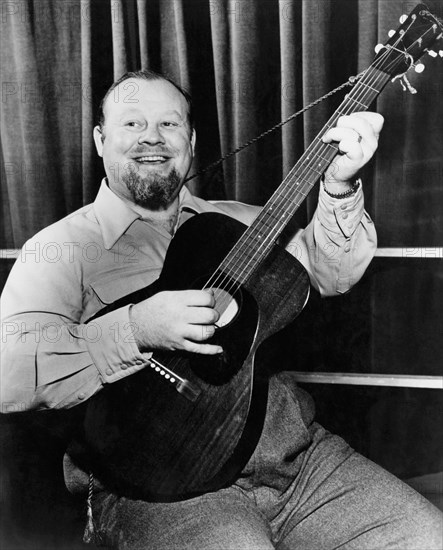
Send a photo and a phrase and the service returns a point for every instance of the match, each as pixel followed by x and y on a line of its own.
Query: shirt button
pixel 350 225
pixel 344 216
pixel 347 248
pixel 343 206
pixel 81 395
pixel 109 372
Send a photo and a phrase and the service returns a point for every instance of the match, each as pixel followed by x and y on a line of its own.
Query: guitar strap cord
pixel 90 534
pixel 350 82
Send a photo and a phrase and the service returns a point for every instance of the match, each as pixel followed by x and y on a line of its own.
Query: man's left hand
pixel 357 139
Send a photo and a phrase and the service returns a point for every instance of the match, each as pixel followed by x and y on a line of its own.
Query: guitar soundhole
pixel 233 334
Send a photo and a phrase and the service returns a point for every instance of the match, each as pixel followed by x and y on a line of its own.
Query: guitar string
pixel 230 270
pixel 309 167
pixel 352 97
pixel 306 165
pixel 345 108
pixel 282 198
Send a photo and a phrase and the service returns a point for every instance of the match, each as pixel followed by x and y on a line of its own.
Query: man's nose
pixel 151 135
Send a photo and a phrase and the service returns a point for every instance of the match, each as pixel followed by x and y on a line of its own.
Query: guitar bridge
pixel 183 386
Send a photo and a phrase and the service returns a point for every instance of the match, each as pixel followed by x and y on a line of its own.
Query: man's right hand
pixel 176 320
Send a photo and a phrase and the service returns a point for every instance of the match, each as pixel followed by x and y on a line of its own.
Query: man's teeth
pixel 152 159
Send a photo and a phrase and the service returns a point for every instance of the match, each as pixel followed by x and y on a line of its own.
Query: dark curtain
pixel 248 64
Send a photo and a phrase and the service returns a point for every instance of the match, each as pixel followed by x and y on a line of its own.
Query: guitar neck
pixel 257 241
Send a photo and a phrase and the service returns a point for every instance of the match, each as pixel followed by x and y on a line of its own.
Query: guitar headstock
pixel 416 35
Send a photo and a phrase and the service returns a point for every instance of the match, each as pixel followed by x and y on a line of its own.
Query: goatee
pixel 153 191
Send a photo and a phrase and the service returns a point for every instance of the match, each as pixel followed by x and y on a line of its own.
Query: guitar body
pixel 150 438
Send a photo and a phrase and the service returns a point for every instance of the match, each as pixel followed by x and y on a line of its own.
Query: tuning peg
pixel 431 53
pixel 419 68
pixel 440 53
pixel 403 18
pixel 391 33
pixel 378 47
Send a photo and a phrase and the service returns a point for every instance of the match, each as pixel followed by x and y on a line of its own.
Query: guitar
pixel 187 424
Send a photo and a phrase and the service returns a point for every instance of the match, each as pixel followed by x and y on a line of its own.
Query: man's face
pixel 146 144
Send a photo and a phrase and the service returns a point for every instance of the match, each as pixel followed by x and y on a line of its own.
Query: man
pixel 303 487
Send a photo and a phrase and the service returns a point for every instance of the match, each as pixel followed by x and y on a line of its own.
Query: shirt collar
pixel 115 217
pixel 187 201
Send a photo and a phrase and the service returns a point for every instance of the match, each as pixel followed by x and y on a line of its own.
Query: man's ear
pixel 98 138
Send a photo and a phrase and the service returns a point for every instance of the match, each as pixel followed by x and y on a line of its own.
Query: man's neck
pixel 162 219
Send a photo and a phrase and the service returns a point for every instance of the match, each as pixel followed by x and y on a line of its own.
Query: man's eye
pixel 133 124
pixel 169 124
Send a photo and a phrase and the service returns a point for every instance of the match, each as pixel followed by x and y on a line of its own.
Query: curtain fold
pixel 291 76
pixel 87 116
pixel 221 47
pixel 316 62
pixel 143 19
pixel 119 50
pixel 173 42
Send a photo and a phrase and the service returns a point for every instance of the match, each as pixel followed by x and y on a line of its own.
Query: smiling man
pixel 303 487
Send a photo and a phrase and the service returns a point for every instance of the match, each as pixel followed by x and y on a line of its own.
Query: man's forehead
pixel 136 93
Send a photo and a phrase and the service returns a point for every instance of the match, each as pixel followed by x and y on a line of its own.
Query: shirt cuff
pixel 113 347
pixel 344 213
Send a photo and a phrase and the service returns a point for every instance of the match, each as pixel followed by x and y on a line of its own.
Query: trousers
pixel 303 489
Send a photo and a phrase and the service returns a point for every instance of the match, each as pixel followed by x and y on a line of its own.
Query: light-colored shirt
pixel 70 270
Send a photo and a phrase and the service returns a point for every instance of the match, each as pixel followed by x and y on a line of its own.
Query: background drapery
pixel 248 64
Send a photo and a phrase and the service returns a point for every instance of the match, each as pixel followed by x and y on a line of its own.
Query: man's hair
pixel 144 74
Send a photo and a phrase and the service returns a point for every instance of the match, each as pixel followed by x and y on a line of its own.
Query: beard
pixel 153 191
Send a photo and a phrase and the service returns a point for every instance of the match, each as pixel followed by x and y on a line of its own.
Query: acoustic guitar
pixel 187 424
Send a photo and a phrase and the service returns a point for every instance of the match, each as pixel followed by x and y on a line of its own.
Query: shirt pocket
pixel 106 290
